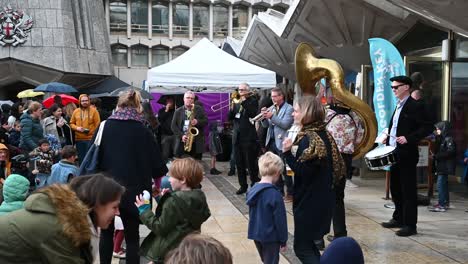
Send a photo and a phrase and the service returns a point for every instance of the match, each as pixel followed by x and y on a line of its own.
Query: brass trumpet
pixel 259 117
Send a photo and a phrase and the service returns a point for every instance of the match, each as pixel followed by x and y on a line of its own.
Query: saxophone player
pixel 186 116
pixel 245 137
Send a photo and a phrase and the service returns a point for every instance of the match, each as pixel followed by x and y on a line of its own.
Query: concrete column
pixel 129 19
pixel 170 53
pixel 191 21
pixel 250 14
pixel 107 10
pixel 210 22
pixel 230 21
pixel 129 57
pixel 170 22
pixel 150 20
pixel 150 56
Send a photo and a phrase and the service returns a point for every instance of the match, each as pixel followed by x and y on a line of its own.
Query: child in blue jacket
pixel 267 214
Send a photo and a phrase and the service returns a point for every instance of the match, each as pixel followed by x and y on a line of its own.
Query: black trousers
pixel 288 181
pixel 246 158
pixel 131 223
pixel 404 192
pixel 339 214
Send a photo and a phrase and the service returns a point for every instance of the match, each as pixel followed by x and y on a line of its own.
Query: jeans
pixel 82 148
pixel 307 253
pixel 442 188
pixel 269 252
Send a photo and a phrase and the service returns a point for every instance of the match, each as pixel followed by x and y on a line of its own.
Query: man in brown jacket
pixel 84 121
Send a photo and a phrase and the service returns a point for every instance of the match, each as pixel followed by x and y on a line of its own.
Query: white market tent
pixel 206 67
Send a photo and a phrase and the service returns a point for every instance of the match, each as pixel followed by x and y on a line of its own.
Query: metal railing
pixel 118 27
pixel 180 29
pixel 161 29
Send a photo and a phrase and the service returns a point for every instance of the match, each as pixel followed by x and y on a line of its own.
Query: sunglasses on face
pixel 397 86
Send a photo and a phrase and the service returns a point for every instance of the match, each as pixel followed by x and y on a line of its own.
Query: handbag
pixel 89 165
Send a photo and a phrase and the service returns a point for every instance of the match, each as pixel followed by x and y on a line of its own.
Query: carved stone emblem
pixel 15 26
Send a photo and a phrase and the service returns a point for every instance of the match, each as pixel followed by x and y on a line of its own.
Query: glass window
pixel 279 9
pixel 139 16
pixel 119 55
pixel 459 110
pixel 240 20
pixel 257 9
pixel 220 20
pixel 160 17
pixel 118 15
pixel 181 18
pixel 201 19
pixel 177 51
pixel 160 55
pixel 139 55
pixel 461 47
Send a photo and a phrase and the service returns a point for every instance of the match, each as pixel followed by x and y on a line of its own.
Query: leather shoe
pixel 391 224
pixel 406 231
pixel 241 191
pixel 231 172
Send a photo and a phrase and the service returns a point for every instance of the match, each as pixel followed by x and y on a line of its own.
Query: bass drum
pixel 381 158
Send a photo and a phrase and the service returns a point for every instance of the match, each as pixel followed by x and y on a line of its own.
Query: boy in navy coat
pixel 267 214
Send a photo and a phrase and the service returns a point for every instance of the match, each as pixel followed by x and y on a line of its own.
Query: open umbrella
pixel 55 87
pixel 28 94
pixel 178 99
pixel 144 94
pixel 66 99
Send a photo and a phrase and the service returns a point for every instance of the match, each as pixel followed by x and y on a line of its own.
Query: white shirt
pixel 396 116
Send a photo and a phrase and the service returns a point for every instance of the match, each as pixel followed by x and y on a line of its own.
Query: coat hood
pixel 252 195
pixel 444 127
pixel 72 214
pixel 15 189
pixel 25 115
pixel 196 209
pixel 343 250
pixel 7 160
pixel 79 99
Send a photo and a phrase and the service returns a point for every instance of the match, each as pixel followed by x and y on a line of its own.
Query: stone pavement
pixel 441 236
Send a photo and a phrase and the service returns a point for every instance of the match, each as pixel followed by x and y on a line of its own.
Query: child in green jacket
pixel 15 191
pixel 179 212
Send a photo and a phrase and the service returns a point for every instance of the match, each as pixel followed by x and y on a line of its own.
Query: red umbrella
pixel 66 99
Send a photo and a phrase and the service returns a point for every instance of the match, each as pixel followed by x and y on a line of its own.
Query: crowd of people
pixel 51 214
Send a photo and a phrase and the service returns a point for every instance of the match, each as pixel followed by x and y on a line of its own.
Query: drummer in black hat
pixel 408 125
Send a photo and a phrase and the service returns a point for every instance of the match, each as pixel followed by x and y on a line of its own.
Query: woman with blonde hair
pixel 198 248
pixel 130 155
pixel 317 166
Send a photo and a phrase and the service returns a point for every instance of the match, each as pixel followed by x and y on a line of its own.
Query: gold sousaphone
pixel 310 70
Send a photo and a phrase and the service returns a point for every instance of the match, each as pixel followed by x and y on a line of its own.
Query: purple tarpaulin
pixel 207 99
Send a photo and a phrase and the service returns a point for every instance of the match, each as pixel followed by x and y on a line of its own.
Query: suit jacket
pixel 279 125
pixel 244 131
pixel 177 126
pixel 414 124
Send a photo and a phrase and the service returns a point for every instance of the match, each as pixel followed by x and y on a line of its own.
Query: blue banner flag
pixel 387 63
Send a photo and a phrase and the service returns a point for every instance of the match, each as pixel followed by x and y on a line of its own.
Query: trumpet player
pixel 184 116
pixel 245 137
pixel 278 119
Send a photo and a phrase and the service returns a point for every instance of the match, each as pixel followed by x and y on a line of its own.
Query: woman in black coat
pixel 129 154
pixel 317 166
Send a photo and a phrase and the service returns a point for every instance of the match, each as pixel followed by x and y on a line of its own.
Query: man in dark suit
pixel 409 124
pixel 245 137
pixel 193 114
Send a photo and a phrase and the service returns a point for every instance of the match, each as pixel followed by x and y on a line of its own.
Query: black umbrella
pixel 178 99
pixel 144 94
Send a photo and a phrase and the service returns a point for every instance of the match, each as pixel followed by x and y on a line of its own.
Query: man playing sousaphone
pixel 187 116
pixel 245 137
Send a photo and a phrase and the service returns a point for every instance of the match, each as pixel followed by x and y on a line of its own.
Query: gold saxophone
pixel 192 132
pixel 310 69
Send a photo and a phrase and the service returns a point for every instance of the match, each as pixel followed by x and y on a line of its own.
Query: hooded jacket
pixel 53 227
pixel 267 214
pixel 15 190
pixel 177 215
pixel 31 132
pixel 343 250
pixel 6 165
pixel 445 154
pixel 85 118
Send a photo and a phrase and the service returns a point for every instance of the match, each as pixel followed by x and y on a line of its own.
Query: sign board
pixel 423 156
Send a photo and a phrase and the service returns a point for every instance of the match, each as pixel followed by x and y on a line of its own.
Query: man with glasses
pixel 245 137
pixel 278 119
pixel 408 125
pixel 184 116
pixel 84 121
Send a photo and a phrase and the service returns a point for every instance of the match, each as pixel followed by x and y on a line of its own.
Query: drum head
pixel 379 152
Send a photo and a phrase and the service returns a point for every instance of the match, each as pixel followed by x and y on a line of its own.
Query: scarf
pixel 127 113
pixel 318 150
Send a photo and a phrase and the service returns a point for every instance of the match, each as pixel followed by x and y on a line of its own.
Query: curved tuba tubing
pixel 310 69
